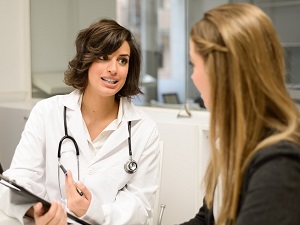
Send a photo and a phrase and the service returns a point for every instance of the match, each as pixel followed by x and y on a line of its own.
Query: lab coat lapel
pixel 76 130
pixel 110 147
pixel 75 123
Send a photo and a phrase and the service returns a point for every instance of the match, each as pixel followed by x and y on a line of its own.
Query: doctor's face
pixel 199 75
pixel 107 75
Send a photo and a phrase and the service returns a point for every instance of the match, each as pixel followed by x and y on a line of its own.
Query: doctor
pixel 107 145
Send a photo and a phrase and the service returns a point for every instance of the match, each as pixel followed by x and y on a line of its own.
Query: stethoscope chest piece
pixel 130 166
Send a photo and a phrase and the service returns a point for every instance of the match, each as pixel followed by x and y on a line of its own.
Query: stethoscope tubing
pixel 130 166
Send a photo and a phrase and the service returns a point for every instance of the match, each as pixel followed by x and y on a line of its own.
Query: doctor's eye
pixel 123 61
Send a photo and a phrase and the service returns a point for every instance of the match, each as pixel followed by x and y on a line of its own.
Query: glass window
pixel 162 29
pixel 285 16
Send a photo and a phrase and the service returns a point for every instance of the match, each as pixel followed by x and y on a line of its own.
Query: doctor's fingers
pixel 85 191
pixel 38 210
pixel 78 200
pixel 55 215
pixel 78 205
pixel 77 189
pixel 69 184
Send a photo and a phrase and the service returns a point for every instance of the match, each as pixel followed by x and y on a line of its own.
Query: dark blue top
pixel 270 193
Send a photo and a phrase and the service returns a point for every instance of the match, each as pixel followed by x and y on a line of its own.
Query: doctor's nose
pixel 112 67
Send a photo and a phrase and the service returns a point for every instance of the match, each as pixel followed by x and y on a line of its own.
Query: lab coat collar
pixel 72 100
pixel 130 113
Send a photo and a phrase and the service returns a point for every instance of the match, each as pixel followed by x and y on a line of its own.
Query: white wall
pixel 15 53
pixel 54 27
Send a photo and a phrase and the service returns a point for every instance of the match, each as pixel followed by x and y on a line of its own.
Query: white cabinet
pixel 185 158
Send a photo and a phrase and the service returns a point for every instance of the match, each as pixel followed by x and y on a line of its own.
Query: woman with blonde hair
pixel 254 172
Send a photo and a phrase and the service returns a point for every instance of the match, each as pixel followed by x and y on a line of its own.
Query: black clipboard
pixel 21 195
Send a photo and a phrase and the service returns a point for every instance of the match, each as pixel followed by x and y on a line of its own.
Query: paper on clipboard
pixel 20 195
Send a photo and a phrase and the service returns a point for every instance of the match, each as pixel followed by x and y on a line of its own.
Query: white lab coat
pixel 117 197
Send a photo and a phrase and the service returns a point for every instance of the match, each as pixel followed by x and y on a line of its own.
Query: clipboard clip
pixel 8 182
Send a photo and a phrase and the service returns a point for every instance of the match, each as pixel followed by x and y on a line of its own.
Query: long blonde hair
pixel 245 63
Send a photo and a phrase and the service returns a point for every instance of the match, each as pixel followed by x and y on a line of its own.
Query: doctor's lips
pixel 66 173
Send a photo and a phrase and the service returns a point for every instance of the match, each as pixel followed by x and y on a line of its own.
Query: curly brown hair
pixel 102 38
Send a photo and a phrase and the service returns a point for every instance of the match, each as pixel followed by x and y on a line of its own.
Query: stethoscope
pixel 130 166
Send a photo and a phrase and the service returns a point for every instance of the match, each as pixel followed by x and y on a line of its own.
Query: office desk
pixel 6 220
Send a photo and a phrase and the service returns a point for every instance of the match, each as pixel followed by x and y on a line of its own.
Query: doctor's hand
pixel 56 215
pixel 78 196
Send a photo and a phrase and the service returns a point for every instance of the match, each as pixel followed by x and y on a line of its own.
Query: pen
pixel 63 168
pixel 78 190
pixel 66 173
